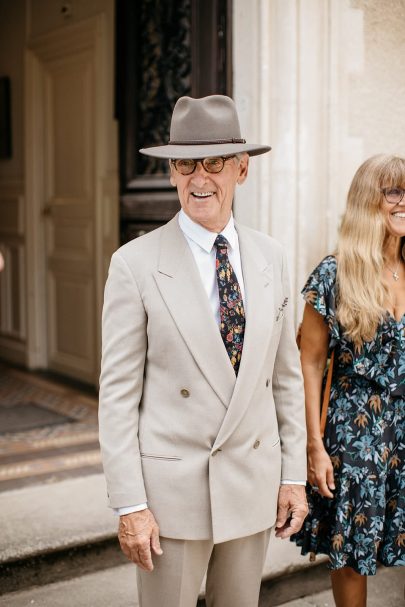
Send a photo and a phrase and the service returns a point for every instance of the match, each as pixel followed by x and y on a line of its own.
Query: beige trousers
pixel 233 568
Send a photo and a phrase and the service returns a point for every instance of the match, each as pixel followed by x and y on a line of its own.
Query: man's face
pixel 207 197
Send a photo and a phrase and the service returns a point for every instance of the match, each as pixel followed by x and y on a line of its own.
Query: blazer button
pixel 256 444
pixel 267 383
pixel 185 393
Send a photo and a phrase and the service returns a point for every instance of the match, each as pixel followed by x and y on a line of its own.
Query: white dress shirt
pixel 201 243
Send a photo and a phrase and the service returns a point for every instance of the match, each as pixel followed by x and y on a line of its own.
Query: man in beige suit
pixel 201 400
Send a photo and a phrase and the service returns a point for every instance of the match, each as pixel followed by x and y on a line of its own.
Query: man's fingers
pixel 126 551
pixel 129 549
pixel 145 557
pixel 293 524
pixel 139 534
pixel 155 543
pixel 282 515
pixel 292 509
pixel 296 521
pixel 139 553
pixel 292 527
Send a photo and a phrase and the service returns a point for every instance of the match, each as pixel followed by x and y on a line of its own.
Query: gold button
pixel 256 445
pixel 267 383
pixel 184 392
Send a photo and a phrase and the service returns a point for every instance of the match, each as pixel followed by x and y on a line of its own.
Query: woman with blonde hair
pixel 355 307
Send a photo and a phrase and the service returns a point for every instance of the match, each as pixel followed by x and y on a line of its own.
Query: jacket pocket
pixel 165 457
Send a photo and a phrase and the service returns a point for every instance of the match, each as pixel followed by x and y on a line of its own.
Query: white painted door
pixel 69 211
pixel 71 192
pixel 66 187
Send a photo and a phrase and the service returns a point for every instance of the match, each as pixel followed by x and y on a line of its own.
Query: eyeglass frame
pixel 197 160
pixel 385 190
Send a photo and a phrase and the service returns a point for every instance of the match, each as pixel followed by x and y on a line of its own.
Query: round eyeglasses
pixel 214 164
pixel 393 195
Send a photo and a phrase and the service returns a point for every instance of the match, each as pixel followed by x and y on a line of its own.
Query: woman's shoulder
pixel 329 262
pixel 319 289
pixel 324 272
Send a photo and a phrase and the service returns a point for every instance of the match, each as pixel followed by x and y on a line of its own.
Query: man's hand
pixel 138 534
pixel 292 510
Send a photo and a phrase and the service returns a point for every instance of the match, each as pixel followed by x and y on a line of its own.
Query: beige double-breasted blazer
pixel 177 429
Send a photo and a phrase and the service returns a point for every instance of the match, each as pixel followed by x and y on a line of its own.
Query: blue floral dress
pixel 365 439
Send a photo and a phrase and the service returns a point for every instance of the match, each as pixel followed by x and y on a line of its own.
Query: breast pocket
pixel 160 457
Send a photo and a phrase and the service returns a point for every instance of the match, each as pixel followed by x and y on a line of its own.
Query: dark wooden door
pixel 165 49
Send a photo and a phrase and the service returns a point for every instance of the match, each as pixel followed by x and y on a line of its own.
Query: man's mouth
pixel 202 195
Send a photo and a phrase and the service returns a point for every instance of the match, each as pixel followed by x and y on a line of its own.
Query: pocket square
pixel 280 311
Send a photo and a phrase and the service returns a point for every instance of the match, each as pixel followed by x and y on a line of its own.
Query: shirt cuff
pixel 288 482
pixel 129 509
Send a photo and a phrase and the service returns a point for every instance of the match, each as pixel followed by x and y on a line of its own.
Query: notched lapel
pixel 179 283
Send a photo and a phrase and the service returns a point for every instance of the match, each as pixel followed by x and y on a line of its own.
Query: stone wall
pixel 323 82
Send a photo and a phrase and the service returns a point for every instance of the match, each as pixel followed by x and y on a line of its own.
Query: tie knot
pixel 221 242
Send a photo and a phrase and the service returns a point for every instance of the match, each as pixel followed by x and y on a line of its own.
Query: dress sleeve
pixel 320 292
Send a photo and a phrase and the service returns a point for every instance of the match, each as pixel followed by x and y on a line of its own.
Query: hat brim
pixel 204 151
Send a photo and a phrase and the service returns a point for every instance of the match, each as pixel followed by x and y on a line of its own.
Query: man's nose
pixel 199 174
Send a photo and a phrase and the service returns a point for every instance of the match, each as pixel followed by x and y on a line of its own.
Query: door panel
pixel 69 210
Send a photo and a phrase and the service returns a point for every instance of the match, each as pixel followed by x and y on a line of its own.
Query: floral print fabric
pixel 232 313
pixel 365 439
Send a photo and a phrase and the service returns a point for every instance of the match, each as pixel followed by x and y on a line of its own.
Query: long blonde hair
pixel 361 290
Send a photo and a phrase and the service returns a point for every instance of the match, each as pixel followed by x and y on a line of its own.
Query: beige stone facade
pixel 323 82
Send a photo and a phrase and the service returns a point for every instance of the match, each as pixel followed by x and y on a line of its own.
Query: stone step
pixel 56 531
pixel 117 587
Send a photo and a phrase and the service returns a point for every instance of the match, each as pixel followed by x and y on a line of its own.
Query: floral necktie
pixel 231 309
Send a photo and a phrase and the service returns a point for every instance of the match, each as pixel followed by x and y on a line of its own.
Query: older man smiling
pixel 201 399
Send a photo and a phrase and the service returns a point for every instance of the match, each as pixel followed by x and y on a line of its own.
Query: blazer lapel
pixel 258 278
pixel 180 285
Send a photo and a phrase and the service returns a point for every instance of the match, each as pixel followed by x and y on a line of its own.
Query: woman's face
pixel 394 211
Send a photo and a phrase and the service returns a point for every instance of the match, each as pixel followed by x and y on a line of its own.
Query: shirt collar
pixel 204 238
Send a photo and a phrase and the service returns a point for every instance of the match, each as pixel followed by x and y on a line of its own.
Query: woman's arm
pixel 314 352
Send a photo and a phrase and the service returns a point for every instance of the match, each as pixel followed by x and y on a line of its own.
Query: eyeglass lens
pixel 186 166
pixel 393 195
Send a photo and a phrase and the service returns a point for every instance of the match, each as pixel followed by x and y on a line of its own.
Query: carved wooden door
pixel 165 49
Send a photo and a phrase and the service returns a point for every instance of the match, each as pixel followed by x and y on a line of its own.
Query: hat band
pixel 207 141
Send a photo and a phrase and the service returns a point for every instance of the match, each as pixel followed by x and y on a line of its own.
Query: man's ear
pixel 243 169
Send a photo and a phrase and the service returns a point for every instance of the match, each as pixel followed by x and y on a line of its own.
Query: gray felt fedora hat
pixel 204 127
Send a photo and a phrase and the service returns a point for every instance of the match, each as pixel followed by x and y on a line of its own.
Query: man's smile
pixel 202 195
